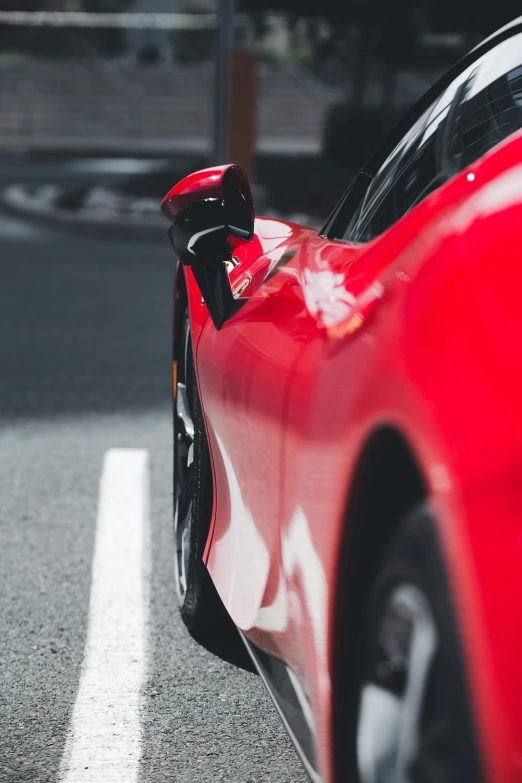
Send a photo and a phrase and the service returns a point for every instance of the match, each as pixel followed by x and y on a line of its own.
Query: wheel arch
pixel 386 484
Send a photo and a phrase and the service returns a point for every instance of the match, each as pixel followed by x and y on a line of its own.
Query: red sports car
pixel 348 441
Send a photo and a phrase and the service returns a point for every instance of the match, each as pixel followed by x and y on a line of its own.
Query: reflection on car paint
pixel 300 556
pixel 280 263
pixel 255 555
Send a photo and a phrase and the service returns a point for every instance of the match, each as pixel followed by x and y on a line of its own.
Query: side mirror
pixel 212 212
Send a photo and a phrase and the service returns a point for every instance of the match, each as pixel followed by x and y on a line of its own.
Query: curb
pixel 17 200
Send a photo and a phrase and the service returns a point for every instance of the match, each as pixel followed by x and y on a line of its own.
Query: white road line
pixel 104 741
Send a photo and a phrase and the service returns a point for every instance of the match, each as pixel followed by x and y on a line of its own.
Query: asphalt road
pixel 85 367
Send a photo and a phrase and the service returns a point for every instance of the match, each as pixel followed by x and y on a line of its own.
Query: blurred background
pixel 298 92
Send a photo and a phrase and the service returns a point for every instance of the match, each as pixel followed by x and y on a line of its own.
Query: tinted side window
pixel 482 107
pixel 487 114
pixel 410 170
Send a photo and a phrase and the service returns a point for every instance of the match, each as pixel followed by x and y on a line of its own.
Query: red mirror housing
pixel 216 182
pixel 212 211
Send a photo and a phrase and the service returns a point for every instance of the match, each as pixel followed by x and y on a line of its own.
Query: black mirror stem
pixel 214 283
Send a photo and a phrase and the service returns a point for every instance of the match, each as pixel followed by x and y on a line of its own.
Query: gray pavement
pixel 85 366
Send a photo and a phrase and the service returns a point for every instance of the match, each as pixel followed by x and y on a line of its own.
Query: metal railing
pixel 108 20
pixel 91 103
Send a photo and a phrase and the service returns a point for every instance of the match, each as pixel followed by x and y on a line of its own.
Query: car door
pixel 243 373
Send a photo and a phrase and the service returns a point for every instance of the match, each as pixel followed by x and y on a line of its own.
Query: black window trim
pixel 338 220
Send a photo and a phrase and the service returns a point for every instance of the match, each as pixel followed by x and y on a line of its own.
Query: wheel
pixel 414 722
pixel 200 607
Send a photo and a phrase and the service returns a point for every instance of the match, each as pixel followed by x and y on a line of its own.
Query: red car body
pixel 396 357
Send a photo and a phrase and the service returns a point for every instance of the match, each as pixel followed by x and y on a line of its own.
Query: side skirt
pixel 291 703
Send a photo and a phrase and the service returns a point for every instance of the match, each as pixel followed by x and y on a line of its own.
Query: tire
pixel 200 606
pixel 414 719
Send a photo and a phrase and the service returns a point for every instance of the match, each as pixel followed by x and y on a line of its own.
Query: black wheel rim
pixel 395 696
pixel 183 461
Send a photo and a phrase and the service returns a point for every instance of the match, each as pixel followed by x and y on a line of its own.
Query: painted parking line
pixel 105 735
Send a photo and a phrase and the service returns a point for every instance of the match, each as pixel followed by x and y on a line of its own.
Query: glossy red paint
pixel 419 330
pixel 243 376
pixel 208 183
